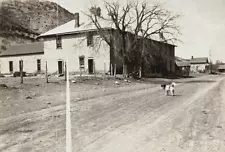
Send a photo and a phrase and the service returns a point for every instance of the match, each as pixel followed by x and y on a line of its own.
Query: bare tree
pixel 134 24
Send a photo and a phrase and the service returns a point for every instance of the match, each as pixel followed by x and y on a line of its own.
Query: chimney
pixel 76 17
pixel 192 57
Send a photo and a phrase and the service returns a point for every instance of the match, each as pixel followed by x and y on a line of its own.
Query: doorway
pixel 60 67
pixel 90 66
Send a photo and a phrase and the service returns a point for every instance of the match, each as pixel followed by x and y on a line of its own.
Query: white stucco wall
pixel 73 47
pixel 29 63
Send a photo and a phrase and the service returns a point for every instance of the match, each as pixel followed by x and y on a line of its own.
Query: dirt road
pixel 138 120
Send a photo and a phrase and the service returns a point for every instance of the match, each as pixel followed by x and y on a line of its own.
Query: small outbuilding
pixel 183 68
pixel 31 56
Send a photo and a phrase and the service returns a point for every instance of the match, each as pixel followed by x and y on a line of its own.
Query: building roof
pixel 179 59
pixel 24 49
pixel 69 28
pixel 182 63
pixel 221 67
pixel 202 60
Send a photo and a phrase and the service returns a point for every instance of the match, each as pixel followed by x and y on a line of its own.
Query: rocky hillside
pixel 22 20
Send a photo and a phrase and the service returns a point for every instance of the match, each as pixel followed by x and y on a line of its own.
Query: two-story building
pixel 85 51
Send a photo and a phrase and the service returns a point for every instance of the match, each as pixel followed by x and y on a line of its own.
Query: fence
pixel 46 69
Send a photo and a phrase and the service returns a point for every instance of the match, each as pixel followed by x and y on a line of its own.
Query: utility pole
pixel 68 113
pixel 210 62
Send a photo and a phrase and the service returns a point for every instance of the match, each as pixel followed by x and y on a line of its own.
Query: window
pixel 81 60
pixel 58 42
pixel 38 65
pixel 89 39
pixel 10 66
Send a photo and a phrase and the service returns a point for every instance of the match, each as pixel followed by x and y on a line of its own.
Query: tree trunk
pixel 140 72
pixel 125 71
pixel 124 49
pixel 115 70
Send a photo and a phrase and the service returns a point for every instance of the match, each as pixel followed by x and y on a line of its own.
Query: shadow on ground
pixel 177 95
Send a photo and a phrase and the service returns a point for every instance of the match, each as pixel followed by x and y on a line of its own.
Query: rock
pixel 60 75
pixel 28 97
pixel 97 83
pixel 204 112
pixel 125 80
pixel 78 99
pixel 73 81
pixel 117 83
pixel 48 102
pixel 7 98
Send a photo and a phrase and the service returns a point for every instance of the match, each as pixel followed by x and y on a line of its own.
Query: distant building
pixel 199 64
pixel 31 54
pixel 183 68
pixel 221 68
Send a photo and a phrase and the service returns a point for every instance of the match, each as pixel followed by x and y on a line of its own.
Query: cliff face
pixel 22 20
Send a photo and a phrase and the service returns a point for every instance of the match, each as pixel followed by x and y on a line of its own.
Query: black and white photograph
pixel 112 76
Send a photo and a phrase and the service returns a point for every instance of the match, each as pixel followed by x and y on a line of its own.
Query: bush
pixel 3 47
pixel 17 74
pixel 1 75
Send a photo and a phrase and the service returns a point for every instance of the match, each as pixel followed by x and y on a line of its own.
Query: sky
pixel 202 24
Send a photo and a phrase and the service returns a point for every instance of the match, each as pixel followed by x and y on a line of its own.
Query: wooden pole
pixel 94 68
pixel 21 71
pixel 115 70
pixel 80 72
pixel 104 68
pixel 65 72
pixel 46 71
pixel 111 70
